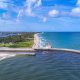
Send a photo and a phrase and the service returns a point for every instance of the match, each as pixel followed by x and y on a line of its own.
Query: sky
pixel 40 15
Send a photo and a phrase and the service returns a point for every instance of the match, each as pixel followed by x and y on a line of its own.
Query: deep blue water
pixel 70 40
pixel 55 65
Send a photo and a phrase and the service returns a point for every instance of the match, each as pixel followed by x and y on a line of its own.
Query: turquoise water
pixel 70 40
pixel 57 65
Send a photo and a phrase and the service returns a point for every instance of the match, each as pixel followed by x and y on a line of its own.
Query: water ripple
pixel 58 66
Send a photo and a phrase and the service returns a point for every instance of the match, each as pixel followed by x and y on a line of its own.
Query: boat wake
pixel 5 56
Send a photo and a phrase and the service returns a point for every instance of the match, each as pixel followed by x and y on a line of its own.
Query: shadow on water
pixel 44 66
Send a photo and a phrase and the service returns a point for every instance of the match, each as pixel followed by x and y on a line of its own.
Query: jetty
pixel 31 51
pixel 18 51
pixel 57 50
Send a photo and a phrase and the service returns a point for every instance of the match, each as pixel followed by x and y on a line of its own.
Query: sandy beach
pixel 36 41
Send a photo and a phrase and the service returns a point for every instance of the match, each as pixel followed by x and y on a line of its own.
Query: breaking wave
pixel 43 41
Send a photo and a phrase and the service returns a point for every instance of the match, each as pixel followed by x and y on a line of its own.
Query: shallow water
pixel 43 66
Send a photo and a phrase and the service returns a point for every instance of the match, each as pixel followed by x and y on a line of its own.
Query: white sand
pixel 36 41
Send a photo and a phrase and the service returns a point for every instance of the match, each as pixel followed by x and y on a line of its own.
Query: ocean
pixel 69 40
pixel 56 65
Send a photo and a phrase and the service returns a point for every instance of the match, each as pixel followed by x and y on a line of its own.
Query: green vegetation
pixel 21 40
pixel 4 45
pixel 22 44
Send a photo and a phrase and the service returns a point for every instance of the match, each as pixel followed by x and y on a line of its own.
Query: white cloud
pixel 29 4
pixel 33 0
pixel 29 10
pixel 20 13
pixel 75 12
pixel 3 4
pixel 53 13
pixel 78 2
pixel 29 7
pixel 38 3
pixel 44 19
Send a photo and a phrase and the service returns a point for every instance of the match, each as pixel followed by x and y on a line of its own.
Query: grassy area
pixel 4 45
pixel 21 40
pixel 26 44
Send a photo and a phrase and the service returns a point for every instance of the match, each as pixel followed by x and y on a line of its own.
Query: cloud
pixel 17 11
pixel 20 14
pixel 38 3
pixel 75 12
pixel 29 7
pixel 53 13
pixel 30 4
pixel 44 19
pixel 36 9
pixel 78 2
pixel 3 4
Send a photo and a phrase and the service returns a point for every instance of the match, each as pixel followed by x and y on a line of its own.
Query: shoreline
pixel 6 52
pixel 36 46
pixel 36 41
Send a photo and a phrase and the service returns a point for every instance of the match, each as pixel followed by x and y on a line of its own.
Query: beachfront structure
pixel 48 46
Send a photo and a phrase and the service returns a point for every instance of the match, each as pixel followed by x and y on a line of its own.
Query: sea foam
pixel 43 41
pixel 6 55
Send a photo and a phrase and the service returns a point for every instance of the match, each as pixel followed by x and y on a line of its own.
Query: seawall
pixel 33 51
